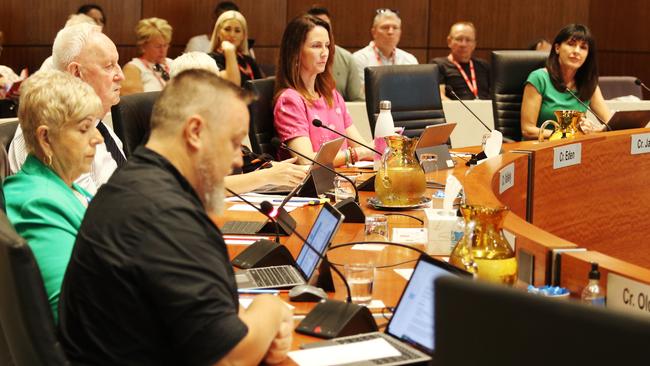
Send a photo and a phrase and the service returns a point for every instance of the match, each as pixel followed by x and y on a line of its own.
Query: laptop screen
pixel 412 320
pixel 321 234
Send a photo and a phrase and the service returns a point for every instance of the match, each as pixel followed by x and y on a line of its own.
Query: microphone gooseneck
pixel 279 144
pixel 324 258
pixel 320 124
pixel 588 108
pixel 451 90
pixel 263 209
pixel 641 84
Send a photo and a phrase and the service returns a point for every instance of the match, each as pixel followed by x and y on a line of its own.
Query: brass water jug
pixel 483 249
pixel 400 180
pixel 567 125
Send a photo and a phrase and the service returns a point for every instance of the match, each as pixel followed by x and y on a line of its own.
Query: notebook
pixel 410 330
pixel 325 227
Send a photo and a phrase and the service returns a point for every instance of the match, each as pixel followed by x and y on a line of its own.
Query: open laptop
pixel 433 140
pixel 317 182
pixel 625 120
pixel 410 330
pixel 323 179
pixel 325 227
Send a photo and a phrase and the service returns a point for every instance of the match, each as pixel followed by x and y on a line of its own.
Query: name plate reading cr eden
pixel 627 295
pixel 640 143
pixel 507 178
pixel 567 155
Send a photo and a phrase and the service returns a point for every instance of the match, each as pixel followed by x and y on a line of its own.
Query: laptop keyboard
pixel 406 353
pixel 274 276
pixel 242 227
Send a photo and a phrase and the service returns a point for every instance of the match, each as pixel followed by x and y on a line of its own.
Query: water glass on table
pixel 376 228
pixel 342 188
pixel 361 278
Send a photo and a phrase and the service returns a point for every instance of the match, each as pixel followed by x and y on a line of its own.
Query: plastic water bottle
pixel 457 231
pixel 593 294
pixel 384 127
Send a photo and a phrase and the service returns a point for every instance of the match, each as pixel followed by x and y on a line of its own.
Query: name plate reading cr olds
pixel 627 295
pixel 507 178
pixel 640 143
pixel 567 155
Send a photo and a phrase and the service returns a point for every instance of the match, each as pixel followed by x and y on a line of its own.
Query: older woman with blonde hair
pixel 229 45
pixel 150 71
pixel 57 114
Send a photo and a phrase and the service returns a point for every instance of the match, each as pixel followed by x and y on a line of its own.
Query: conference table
pixel 586 197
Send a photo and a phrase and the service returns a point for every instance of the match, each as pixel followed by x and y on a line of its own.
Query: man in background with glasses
pixel 382 50
pixel 468 76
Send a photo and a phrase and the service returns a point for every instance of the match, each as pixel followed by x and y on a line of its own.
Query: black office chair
pixel 510 70
pixel 132 119
pixel 413 91
pixel 619 86
pixel 8 108
pixel 7 132
pixel 25 313
pixel 261 129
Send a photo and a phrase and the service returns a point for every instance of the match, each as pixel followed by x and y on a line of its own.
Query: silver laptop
pixel 433 140
pixel 410 330
pixel 322 178
pixel 327 224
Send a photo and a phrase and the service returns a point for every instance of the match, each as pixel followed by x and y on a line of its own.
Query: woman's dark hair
pixel 288 74
pixel 85 8
pixel 587 75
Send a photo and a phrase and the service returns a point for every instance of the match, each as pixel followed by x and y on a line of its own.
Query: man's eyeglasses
pixel 163 73
pixel 385 10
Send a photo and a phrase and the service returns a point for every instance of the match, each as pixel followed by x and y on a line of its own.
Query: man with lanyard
pixel 382 50
pixel 468 76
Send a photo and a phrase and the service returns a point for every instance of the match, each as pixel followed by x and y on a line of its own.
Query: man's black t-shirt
pixel 449 75
pixel 149 281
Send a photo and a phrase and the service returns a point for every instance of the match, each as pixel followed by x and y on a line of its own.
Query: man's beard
pixel 214 192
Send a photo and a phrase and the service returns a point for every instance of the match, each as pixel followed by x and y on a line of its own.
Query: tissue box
pixel 439 224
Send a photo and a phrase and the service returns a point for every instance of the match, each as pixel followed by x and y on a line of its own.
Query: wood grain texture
pixel 501 24
pixel 599 204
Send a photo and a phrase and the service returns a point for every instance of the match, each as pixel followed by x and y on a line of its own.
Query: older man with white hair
pixel 382 50
pixel 85 52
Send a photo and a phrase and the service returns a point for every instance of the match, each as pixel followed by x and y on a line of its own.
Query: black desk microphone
pixel 369 184
pixel 589 109
pixel 333 318
pixel 641 84
pixel 474 159
pixel 349 206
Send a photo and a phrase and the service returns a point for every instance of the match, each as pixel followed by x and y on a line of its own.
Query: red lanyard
pixel 391 60
pixel 472 86
pixel 248 71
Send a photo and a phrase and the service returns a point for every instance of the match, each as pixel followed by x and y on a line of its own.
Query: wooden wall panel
pixel 621 26
pixel 353 19
pixel 502 24
pixel 505 24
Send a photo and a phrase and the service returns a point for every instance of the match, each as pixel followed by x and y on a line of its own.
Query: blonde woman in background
pixel 150 71
pixel 229 45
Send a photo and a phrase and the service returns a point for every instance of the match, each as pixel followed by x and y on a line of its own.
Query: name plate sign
pixel 507 178
pixel 627 295
pixel 567 155
pixel 640 143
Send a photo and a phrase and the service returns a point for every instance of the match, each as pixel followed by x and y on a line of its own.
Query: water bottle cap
pixel 384 104
pixel 594 274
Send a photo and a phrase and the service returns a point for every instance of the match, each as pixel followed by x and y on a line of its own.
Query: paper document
pixel 410 235
pixel 404 272
pixel 369 247
pixel 345 353
pixel 246 207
